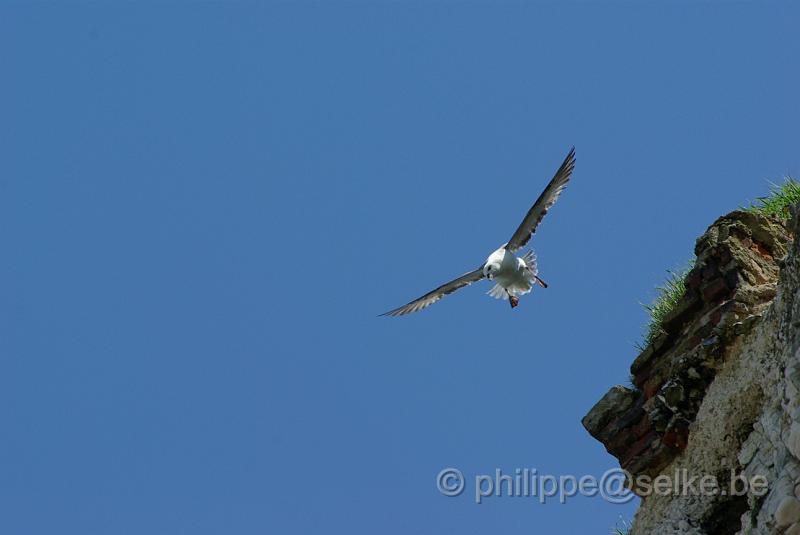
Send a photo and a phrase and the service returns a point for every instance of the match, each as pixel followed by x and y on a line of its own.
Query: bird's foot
pixel 514 300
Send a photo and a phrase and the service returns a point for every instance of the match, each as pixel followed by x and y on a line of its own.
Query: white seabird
pixel 515 275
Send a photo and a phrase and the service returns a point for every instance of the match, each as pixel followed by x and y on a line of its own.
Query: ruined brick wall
pixel 718 391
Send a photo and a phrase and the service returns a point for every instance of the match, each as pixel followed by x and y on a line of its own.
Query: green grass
pixel 621 530
pixel 780 197
pixel 667 297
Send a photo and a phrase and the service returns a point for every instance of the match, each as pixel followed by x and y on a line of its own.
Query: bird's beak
pixel 490 276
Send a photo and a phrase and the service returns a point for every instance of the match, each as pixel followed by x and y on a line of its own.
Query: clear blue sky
pixel 203 206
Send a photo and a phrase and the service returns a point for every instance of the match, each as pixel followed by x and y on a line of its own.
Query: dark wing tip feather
pixel 435 295
pixel 546 199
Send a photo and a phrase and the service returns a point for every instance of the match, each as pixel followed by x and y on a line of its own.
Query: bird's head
pixel 490 269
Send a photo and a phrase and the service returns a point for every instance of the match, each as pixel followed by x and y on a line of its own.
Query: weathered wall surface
pixel 718 393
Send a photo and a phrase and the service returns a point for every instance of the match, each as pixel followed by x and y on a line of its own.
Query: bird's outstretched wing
pixel 547 199
pixel 431 297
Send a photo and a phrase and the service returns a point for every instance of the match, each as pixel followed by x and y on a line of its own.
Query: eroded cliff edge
pixel 718 392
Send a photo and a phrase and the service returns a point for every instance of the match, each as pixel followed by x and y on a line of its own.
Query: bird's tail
pixel 530 262
pixel 533 268
pixel 498 292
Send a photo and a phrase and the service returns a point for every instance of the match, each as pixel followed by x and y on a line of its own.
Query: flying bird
pixel 515 275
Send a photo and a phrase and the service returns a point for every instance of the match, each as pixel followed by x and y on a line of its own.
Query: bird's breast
pixel 510 270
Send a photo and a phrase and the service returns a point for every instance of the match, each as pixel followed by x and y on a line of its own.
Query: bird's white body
pixel 515 276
